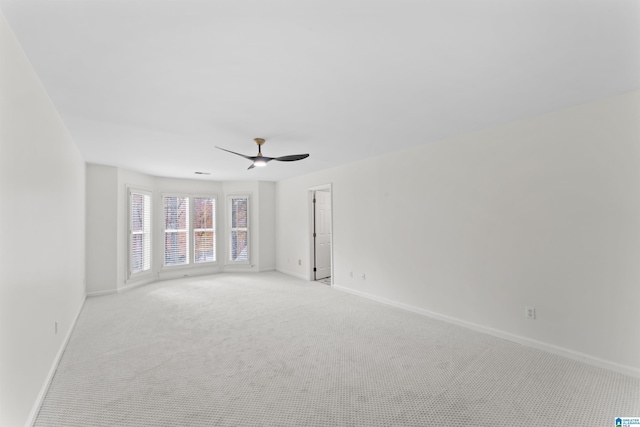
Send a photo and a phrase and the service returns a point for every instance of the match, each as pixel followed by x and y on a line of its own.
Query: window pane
pixel 204 243
pixel 204 213
pixel 147 250
pixel 176 238
pixel 176 248
pixel 238 245
pixel 203 209
pixel 140 244
pixel 176 212
pixel 239 213
pixel 137 212
pixel 137 253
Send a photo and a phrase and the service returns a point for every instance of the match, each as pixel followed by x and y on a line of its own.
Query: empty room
pixel 319 213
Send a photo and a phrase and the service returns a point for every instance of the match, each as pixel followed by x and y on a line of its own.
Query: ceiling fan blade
pixel 291 158
pixel 251 167
pixel 238 154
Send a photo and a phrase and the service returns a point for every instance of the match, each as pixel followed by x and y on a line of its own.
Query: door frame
pixel 312 247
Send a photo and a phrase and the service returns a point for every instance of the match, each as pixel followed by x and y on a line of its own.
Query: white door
pixel 322 209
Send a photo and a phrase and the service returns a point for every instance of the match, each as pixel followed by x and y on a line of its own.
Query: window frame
pixel 230 229
pixel 131 275
pixel 213 229
pixel 191 241
pixel 176 230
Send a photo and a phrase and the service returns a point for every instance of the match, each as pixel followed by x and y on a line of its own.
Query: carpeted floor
pixel 325 281
pixel 271 350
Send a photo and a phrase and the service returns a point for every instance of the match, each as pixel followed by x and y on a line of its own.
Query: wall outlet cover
pixel 530 313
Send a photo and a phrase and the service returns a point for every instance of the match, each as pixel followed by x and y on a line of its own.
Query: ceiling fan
pixel 260 161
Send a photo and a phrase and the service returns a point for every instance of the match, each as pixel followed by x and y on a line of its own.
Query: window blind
pixel 140 235
pixel 204 242
pixel 176 230
pixel 239 229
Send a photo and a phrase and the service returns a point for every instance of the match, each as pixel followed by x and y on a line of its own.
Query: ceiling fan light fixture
pixel 261 161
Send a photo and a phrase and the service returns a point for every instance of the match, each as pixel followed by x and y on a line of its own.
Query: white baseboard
pixel 550 348
pixel 101 293
pixel 45 387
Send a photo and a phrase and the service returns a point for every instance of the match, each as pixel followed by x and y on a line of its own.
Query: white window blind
pixel 176 230
pixel 239 228
pixel 140 232
pixel 204 223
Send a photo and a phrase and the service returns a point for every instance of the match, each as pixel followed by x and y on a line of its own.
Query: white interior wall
pixel 102 228
pixel 42 224
pixel 543 212
pixel 267 220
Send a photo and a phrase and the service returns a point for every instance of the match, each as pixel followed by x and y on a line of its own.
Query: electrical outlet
pixel 530 313
pixel 56 327
pixel 363 276
pixel 299 262
pixel 351 274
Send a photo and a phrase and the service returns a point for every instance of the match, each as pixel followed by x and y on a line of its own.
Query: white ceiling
pixel 153 86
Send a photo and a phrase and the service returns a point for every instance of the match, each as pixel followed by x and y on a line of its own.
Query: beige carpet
pixel 325 281
pixel 271 350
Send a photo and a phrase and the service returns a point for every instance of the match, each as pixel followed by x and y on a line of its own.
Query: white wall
pixel 543 212
pixel 267 220
pixel 102 228
pixel 42 206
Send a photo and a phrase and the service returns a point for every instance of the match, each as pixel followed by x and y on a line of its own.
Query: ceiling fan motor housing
pixel 259 141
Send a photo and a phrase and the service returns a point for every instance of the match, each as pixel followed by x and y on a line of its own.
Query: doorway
pixel 321 232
